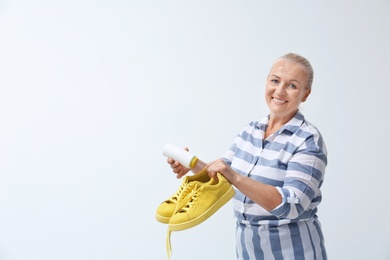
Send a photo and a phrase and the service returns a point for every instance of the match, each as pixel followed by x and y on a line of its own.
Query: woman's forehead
pixel 286 68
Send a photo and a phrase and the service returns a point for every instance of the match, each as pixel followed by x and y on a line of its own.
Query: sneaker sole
pixel 192 223
pixel 162 219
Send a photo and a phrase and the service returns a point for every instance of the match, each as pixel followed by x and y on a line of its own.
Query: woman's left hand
pixel 223 168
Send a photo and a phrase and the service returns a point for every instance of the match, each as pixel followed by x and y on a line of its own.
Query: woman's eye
pixel 292 86
pixel 275 81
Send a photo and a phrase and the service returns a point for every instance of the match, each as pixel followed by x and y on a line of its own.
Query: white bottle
pixel 184 157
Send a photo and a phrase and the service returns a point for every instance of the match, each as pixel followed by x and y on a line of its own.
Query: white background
pixel 90 92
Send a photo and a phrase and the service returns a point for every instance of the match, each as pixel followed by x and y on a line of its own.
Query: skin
pixel 286 87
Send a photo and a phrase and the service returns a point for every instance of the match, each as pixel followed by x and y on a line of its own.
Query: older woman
pixel 277 167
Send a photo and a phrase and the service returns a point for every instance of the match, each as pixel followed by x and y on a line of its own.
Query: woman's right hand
pixel 177 168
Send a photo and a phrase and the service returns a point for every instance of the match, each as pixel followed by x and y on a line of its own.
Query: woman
pixel 277 166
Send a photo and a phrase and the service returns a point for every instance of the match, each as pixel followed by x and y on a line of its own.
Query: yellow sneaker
pixel 166 209
pixel 201 203
pixel 198 205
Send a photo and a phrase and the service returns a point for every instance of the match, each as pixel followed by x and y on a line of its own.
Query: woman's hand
pixel 177 168
pixel 220 166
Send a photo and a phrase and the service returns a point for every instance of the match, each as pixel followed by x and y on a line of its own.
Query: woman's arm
pixel 265 195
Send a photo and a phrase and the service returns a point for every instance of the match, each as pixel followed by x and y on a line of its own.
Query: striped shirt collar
pixel 291 126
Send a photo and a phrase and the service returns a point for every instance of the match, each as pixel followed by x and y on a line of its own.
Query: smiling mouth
pixel 279 101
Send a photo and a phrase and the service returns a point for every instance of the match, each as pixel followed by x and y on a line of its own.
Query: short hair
pixel 298 59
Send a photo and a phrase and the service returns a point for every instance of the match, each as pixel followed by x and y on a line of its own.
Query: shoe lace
pixel 186 203
pixel 183 190
pixel 189 198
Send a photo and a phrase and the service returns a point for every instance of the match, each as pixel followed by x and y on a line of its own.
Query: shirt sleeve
pixel 304 177
pixel 230 153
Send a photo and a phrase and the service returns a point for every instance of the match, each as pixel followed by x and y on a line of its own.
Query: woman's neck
pixel 274 124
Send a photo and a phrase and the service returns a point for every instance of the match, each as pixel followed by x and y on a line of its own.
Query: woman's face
pixel 285 89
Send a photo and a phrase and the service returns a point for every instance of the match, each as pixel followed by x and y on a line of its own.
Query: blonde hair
pixel 298 59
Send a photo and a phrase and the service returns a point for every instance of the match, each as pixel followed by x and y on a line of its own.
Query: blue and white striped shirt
pixel 293 159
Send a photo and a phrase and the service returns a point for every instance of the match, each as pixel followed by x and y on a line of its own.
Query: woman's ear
pixel 308 91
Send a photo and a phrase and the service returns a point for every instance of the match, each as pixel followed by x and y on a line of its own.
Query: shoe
pixel 166 209
pixel 198 205
pixel 201 203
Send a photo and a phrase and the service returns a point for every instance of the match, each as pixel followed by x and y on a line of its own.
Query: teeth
pixel 279 101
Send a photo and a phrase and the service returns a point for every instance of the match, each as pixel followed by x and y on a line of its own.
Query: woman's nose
pixel 280 90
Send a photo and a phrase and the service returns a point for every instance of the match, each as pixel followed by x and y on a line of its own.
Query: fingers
pixel 180 174
pixel 213 168
pixel 177 168
pixel 180 171
pixel 216 166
